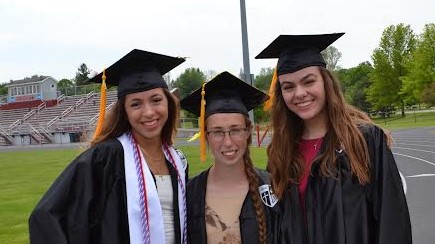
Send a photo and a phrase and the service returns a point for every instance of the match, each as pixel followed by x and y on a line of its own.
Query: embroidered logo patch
pixel 266 193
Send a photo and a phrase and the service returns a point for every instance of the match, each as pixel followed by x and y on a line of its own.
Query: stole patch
pixel 266 193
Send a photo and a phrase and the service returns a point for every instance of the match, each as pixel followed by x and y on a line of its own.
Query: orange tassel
pixel 102 106
pixel 202 143
pixel 269 103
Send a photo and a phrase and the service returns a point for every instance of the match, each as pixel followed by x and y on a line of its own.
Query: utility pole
pixel 246 68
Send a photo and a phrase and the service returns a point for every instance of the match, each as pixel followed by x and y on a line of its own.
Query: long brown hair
pixel 286 163
pixel 253 187
pixel 117 123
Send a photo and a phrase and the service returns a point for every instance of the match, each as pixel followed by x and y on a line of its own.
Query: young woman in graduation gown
pixel 231 202
pixel 129 186
pixel 331 167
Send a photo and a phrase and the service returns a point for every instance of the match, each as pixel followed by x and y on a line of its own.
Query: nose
pixel 227 138
pixel 148 110
pixel 300 92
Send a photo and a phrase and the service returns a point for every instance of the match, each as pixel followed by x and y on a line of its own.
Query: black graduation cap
pixel 139 71
pixel 224 94
pixel 296 52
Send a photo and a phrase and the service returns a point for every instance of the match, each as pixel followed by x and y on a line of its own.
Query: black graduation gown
pixel 342 211
pixel 196 228
pixel 87 203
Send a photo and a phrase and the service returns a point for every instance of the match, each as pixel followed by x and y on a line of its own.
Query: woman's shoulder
pixel 101 151
pixel 196 187
pixel 199 179
pixel 371 130
pixel 263 175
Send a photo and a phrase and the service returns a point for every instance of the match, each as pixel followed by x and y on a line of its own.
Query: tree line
pixel 401 73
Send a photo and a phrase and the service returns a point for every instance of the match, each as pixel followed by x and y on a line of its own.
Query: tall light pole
pixel 246 68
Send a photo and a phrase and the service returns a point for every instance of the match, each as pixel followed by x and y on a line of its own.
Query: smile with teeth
pixel 304 104
pixel 229 153
pixel 150 123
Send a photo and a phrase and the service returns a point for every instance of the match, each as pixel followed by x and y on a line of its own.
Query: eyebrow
pixel 230 127
pixel 302 79
pixel 151 97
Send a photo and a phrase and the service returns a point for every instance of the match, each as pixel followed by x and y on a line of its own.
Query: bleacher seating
pixel 80 117
pixel 42 117
pixel 69 114
pixel 7 117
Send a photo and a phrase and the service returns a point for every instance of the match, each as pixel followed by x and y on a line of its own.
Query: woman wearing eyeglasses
pixel 231 202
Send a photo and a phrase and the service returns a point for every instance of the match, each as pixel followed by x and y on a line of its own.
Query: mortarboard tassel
pixel 194 137
pixel 202 142
pixel 102 106
pixel 269 103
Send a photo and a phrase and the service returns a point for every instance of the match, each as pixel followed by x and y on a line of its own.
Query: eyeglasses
pixel 235 134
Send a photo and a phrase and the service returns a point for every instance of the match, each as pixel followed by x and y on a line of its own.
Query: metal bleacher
pixel 70 114
pixel 85 115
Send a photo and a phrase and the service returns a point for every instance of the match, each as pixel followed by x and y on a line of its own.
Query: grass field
pixel 411 119
pixel 26 175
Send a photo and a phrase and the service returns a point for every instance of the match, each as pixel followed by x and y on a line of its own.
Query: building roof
pixel 27 80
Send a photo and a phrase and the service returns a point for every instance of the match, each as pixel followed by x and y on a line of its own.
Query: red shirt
pixel 308 149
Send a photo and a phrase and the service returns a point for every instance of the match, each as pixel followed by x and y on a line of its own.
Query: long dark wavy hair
pixel 117 123
pixel 285 163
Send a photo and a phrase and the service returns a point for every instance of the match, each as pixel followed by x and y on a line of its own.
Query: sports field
pixel 25 174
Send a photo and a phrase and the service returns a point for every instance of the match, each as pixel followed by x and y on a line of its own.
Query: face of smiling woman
pixel 304 93
pixel 227 149
pixel 147 113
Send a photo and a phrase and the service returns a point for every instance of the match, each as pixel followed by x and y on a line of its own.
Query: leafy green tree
pixel 355 82
pixel 421 66
pixel 3 89
pixel 428 95
pixel 331 55
pixel 389 61
pixel 81 77
pixel 64 86
pixel 190 80
pixel 263 79
pixel 262 82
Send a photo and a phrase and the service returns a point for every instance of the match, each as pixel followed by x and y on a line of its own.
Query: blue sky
pixel 53 37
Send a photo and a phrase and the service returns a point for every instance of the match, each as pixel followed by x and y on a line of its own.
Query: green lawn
pixel 411 119
pixel 26 175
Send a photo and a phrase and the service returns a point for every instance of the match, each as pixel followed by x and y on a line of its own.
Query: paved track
pixel 414 151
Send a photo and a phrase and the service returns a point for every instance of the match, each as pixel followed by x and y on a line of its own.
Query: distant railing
pixel 6 135
pixel 60 98
pixel 67 111
pixel 41 106
pixel 80 90
pixel 90 94
pixel 52 121
pixel 13 125
pixel 94 119
pixel 29 114
pixel 80 102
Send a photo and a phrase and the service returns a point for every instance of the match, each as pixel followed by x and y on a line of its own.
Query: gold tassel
pixel 102 106
pixel 269 103
pixel 202 143
pixel 194 137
